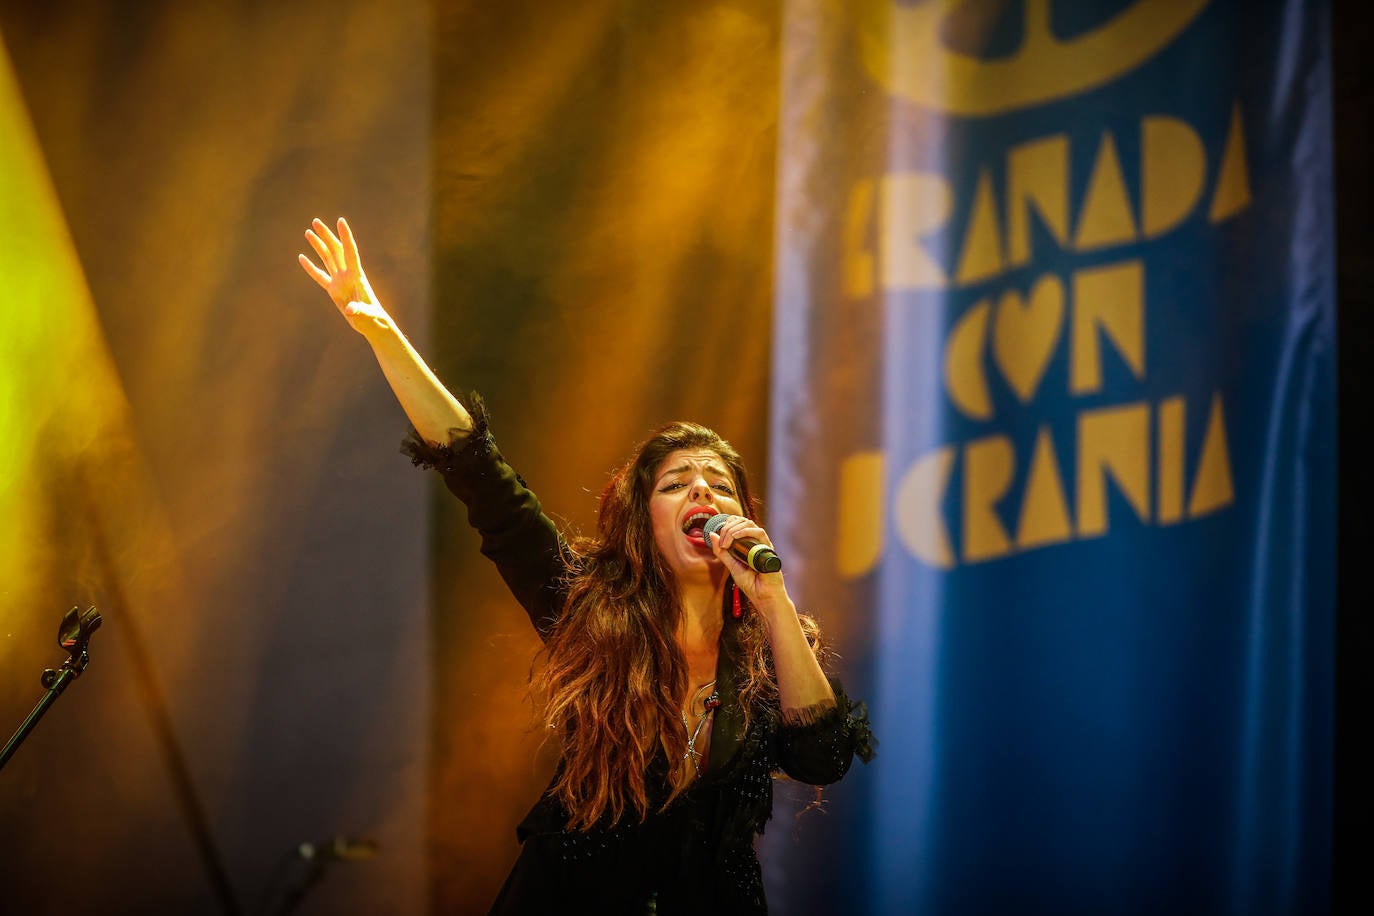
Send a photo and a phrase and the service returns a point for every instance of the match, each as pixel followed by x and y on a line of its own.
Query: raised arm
pixel 432 409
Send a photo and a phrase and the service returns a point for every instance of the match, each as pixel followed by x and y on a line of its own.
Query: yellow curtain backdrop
pixel 204 414
pixel 50 330
pixel 603 219
pixel 594 185
pixel 82 519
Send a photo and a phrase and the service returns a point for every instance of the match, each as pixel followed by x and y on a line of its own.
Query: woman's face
pixel 690 486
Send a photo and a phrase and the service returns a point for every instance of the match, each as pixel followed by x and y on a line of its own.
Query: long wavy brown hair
pixel 613 675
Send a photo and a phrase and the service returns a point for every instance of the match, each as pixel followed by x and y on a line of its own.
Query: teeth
pixel 696 521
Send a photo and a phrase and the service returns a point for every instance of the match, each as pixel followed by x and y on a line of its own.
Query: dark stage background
pixel 198 446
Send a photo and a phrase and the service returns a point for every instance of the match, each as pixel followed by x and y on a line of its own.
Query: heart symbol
pixel 965 379
pixel 1024 334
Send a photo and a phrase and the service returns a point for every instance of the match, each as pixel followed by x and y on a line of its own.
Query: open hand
pixel 342 276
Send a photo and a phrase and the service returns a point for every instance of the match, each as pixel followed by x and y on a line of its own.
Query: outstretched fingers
pixel 323 250
pixel 331 241
pixel 349 246
pixel 337 269
pixel 319 276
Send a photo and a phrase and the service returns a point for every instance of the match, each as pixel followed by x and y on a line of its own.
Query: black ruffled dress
pixel 697 856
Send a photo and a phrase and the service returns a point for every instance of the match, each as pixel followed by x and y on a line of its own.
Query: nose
pixel 701 490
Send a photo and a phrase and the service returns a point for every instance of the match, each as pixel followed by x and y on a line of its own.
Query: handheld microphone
pixel 759 557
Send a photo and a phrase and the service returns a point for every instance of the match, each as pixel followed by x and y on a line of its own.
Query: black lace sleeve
pixel 446 456
pixel 516 534
pixel 816 745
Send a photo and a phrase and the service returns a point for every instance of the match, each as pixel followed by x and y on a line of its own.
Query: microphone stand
pixel 316 857
pixel 74 635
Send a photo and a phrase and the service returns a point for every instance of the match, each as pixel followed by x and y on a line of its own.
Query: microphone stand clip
pixel 74 635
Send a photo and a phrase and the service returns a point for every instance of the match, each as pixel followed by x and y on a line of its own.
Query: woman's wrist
pixel 775 609
pixel 377 326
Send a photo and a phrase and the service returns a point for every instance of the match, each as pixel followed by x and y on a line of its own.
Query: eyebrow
pixel 711 468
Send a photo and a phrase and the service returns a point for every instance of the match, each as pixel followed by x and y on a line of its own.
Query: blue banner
pixel 1053 443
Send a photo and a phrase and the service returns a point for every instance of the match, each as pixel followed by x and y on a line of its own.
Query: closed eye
pixel 724 488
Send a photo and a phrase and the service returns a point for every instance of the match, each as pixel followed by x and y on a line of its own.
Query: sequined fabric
pixel 697 854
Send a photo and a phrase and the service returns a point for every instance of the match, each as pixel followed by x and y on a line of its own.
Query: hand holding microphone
pixel 757 555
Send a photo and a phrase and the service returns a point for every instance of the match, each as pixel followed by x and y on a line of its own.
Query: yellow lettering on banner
pixel 965 379
pixel 1212 487
pixel 988 467
pixel 1114 449
pixel 860 517
pixel 917 516
pixel 982 255
pixel 858 259
pixel 1232 192
pixel 1111 298
pixel 906 48
pixel 1106 217
pixel 1170 483
pixel 1044 511
pixel 1173 165
pixel 1115 441
pixel 1025 333
pixel 913 204
pixel 1037 174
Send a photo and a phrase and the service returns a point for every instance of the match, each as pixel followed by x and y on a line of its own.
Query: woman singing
pixel 678 679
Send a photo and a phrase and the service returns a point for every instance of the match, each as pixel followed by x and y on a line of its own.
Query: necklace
pixel 708 706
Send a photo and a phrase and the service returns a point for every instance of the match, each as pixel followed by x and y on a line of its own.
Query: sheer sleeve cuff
pixel 475 443
pixel 845 721
pixel 801 716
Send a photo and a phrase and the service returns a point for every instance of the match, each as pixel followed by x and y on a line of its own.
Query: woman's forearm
pixel 802 685
pixel 432 408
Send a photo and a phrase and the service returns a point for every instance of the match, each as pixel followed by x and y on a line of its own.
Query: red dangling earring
pixel 735 610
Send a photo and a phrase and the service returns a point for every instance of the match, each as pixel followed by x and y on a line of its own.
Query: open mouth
pixel 695 521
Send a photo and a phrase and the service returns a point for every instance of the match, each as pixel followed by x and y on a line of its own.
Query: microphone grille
pixel 714 524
